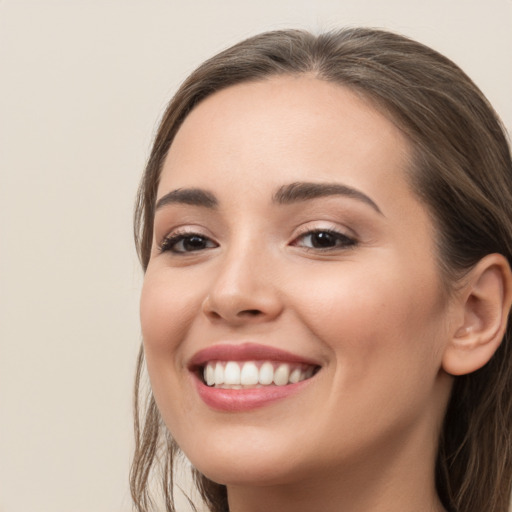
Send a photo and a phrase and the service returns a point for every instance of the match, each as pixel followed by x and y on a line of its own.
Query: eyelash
pixel 170 242
pixel 341 241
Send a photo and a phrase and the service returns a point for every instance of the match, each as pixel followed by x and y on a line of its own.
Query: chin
pixel 241 475
pixel 257 467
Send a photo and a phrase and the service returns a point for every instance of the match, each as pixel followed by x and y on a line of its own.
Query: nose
pixel 244 290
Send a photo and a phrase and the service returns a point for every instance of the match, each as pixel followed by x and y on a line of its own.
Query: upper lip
pixel 246 352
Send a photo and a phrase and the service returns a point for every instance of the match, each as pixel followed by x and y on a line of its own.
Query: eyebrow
pixel 192 196
pixel 304 191
pixel 286 194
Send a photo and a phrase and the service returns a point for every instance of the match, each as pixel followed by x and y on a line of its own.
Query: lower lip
pixel 238 400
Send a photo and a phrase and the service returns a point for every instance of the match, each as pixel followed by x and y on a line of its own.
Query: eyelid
pixel 180 232
pixel 330 228
pixel 312 227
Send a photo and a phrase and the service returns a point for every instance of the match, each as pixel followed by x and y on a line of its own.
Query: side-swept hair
pixel 462 171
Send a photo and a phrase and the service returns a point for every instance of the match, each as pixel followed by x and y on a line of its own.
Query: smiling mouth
pixel 254 374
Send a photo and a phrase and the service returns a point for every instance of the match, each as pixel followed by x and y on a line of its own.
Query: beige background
pixel 82 85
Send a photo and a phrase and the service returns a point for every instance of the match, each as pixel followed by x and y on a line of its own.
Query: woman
pixel 325 228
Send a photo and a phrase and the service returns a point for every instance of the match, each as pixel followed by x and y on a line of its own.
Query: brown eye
pixel 183 243
pixel 324 239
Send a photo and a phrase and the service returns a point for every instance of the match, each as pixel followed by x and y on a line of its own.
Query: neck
pixel 398 479
pixel 331 498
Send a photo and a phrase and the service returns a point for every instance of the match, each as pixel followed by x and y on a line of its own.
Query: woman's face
pixel 289 248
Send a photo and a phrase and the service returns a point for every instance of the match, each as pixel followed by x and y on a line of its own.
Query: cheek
pixel 167 309
pixel 385 335
pixel 366 316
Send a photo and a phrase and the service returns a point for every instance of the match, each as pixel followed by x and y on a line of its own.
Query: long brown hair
pixel 461 169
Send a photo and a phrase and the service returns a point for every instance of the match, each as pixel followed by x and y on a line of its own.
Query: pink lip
pixel 246 352
pixel 239 400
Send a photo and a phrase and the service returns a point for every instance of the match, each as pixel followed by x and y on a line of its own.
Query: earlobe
pixel 485 301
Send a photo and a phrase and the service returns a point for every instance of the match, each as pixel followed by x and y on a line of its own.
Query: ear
pixel 485 303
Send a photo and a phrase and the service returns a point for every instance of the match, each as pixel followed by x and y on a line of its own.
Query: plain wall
pixel 82 86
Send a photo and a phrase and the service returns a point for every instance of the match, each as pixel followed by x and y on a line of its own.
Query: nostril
pixel 250 312
pixel 214 314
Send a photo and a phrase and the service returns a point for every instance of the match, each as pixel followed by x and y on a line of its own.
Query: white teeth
pixel 266 374
pixel 295 376
pixel 281 375
pixel 209 375
pixel 250 374
pixel 232 373
pixel 219 373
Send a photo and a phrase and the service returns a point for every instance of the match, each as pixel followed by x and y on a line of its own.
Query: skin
pixel 361 436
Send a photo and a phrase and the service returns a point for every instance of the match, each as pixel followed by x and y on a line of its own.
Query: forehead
pixel 285 129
